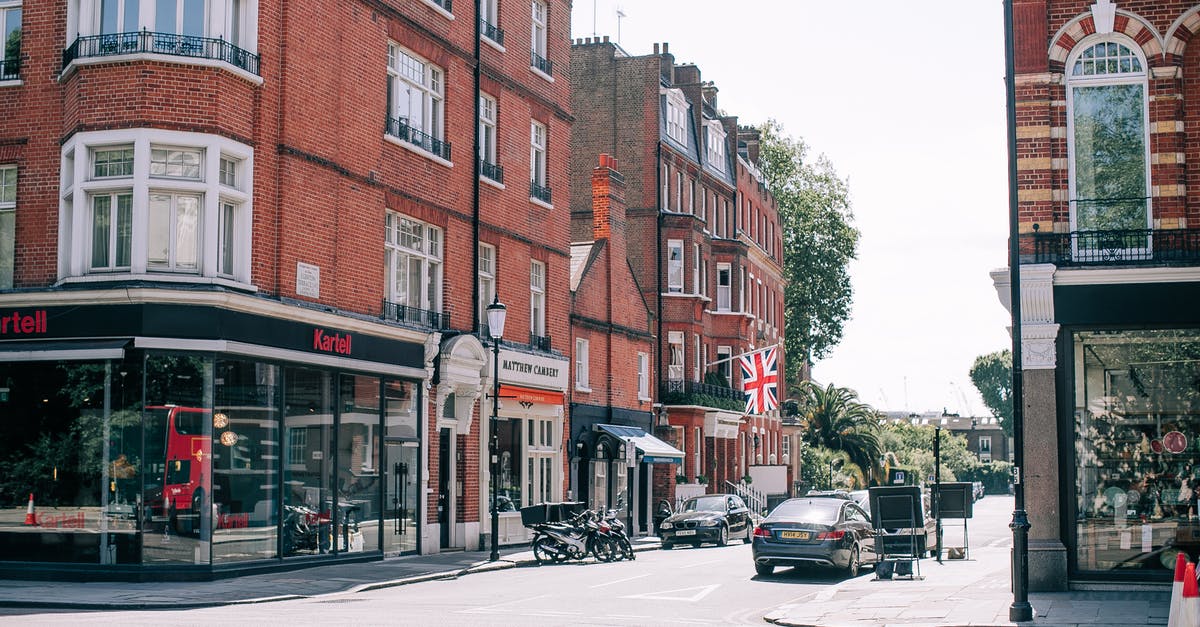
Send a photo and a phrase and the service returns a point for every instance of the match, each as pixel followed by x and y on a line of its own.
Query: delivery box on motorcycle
pixel 542 513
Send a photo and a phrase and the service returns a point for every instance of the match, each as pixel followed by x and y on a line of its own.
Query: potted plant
pixel 680 478
pixel 747 479
pixel 702 480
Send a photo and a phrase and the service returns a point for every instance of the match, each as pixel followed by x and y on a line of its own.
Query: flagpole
pixel 741 355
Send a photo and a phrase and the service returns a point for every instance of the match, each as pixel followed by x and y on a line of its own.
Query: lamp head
pixel 496 313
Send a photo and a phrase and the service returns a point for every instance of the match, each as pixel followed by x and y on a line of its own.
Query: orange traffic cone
pixel 1181 562
pixel 1189 610
pixel 30 516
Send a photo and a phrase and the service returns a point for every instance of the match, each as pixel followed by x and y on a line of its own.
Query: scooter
pixel 555 543
pixel 617 530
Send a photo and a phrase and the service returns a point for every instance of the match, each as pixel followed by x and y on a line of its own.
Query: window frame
pixel 8 7
pixel 537 153
pixel 675 266
pixel 537 298
pixel 676 357
pixel 724 290
pixel 428 253
pixel 1120 78
pixel 489 115
pixel 487 255
pixel 430 89
pixel 582 365
pixel 643 375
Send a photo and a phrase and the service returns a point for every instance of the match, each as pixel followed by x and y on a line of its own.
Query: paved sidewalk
pixel 968 592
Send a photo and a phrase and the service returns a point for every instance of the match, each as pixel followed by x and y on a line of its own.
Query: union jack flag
pixel 759 381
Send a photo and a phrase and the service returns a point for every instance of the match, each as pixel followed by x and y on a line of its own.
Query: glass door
pixel 401 466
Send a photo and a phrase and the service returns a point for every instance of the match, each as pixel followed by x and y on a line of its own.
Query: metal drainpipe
pixel 475 185
pixel 658 220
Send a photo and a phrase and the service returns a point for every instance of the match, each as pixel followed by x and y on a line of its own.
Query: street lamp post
pixel 495 315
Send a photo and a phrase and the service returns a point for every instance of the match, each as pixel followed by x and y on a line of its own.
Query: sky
pixel 907 101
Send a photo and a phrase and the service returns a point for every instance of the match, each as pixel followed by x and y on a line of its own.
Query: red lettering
pixel 17 323
pixel 28 324
pixel 322 341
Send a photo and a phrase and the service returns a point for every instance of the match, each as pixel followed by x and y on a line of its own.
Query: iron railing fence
pixel 541 192
pixel 10 69
pixel 413 315
pixel 1116 247
pixel 398 127
pixel 546 66
pixel 491 31
pixel 492 171
pixel 145 41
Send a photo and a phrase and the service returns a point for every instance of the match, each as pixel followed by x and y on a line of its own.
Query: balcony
pixel 542 64
pixel 491 31
pixel 540 343
pixel 398 127
pixel 491 171
pixel 90 46
pixel 10 69
pixel 1140 247
pixel 540 192
pixel 396 312
pixel 703 394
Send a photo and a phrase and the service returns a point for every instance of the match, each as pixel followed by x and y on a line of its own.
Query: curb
pixel 479 567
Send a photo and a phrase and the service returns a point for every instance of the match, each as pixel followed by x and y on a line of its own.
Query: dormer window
pixel 677 108
pixel 714 143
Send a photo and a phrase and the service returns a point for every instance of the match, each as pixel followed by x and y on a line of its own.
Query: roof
pixel 653 449
pixel 579 257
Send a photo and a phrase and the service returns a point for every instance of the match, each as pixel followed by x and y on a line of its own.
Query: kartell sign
pixel 327 342
pixel 17 323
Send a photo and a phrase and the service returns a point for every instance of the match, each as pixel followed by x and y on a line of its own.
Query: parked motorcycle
pixel 617 529
pixel 557 542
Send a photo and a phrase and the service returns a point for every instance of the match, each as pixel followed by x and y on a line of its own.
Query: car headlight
pixel 709 522
pixel 666 525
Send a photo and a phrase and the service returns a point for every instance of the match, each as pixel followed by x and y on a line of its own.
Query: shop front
pixel 151 441
pixel 529 429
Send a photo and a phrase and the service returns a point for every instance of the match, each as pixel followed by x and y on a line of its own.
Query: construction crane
pixel 966 407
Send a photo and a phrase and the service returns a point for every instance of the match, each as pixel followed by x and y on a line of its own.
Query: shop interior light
pixel 220 420
pixel 229 438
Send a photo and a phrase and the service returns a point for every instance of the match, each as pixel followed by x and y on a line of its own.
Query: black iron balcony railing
pixel 10 69
pixel 412 315
pixel 161 43
pixel 703 394
pixel 540 342
pixel 544 65
pixel 491 31
pixel 398 127
pixel 491 171
pixel 1146 247
pixel 541 192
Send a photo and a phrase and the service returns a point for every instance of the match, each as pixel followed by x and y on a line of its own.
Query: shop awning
pixel 531 395
pixel 53 350
pixel 654 450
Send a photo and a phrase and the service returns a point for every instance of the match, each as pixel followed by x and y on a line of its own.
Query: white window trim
pixel 5 5
pixel 582 366
pixel 643 370
pixel 1101 80
pixel 439 9
pixel 83 19
pixel 676 115
pixel 432 100
pixel 537 299
pixel 675 371
pixel 427 259
pixel 715 144
pixel 486 277
pixel 76 184
pixel 726 289
pixel 672 286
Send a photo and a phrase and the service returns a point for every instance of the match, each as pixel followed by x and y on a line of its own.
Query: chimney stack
pixel 608 199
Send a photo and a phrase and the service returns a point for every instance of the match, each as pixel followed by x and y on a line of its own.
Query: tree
pixel 833 418
pixel 992 376
pixel 819 241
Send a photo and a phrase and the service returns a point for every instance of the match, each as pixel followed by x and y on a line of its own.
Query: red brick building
pixel 704 243
pixel 260 237
pixel 1107 116
pixel 614 454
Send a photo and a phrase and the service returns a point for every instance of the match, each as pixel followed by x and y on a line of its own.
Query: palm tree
pixel 833 418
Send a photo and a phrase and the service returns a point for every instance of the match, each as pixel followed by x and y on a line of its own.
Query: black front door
pixel 445 453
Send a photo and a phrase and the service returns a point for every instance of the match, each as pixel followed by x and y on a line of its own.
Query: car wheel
pixel 763 569
pixel 667 546
pixel 749 535
pixel 853 564
pixel 723 536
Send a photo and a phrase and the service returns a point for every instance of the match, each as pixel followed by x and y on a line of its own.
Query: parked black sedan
pixel 709 518
pixel 824 531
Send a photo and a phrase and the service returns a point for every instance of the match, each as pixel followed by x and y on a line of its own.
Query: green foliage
pixel 992 376
pixel 833 418
pixel 911 447
pixel 703 400
pixel 994 476
pixel 716 378
pixel 819 240
pixel 12 47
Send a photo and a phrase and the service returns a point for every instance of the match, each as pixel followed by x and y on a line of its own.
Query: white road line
pixel 487 608
pixel 702 564
pixel 609 583
pixel 673 595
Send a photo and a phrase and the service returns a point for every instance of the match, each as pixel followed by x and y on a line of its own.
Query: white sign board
pixel 308 280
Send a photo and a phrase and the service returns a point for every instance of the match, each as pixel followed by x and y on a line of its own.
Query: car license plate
pixel 794 535
pixel 686 532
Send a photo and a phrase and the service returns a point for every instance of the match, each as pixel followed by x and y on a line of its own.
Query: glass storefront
pixel 1137 417
pixel 190 459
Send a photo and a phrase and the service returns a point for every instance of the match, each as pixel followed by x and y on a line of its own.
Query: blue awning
pixel 654 450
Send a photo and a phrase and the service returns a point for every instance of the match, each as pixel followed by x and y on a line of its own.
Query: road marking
pixel 701 564
pixel 671 595
pixel 488 608
pixel 609 583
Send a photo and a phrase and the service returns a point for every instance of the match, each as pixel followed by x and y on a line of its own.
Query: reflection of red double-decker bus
pixel 187 452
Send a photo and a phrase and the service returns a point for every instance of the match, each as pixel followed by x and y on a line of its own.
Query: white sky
pixel 907 101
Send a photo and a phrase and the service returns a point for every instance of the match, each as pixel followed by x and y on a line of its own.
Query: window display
pixel 1137 417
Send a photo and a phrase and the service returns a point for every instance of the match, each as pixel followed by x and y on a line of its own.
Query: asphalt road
pixel 708 585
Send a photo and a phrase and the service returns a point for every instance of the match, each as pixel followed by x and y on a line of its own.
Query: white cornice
pixel 1119 276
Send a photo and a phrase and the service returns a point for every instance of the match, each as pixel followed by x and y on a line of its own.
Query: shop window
pixel 1136 473
pixel 308 496
pixel 508 485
